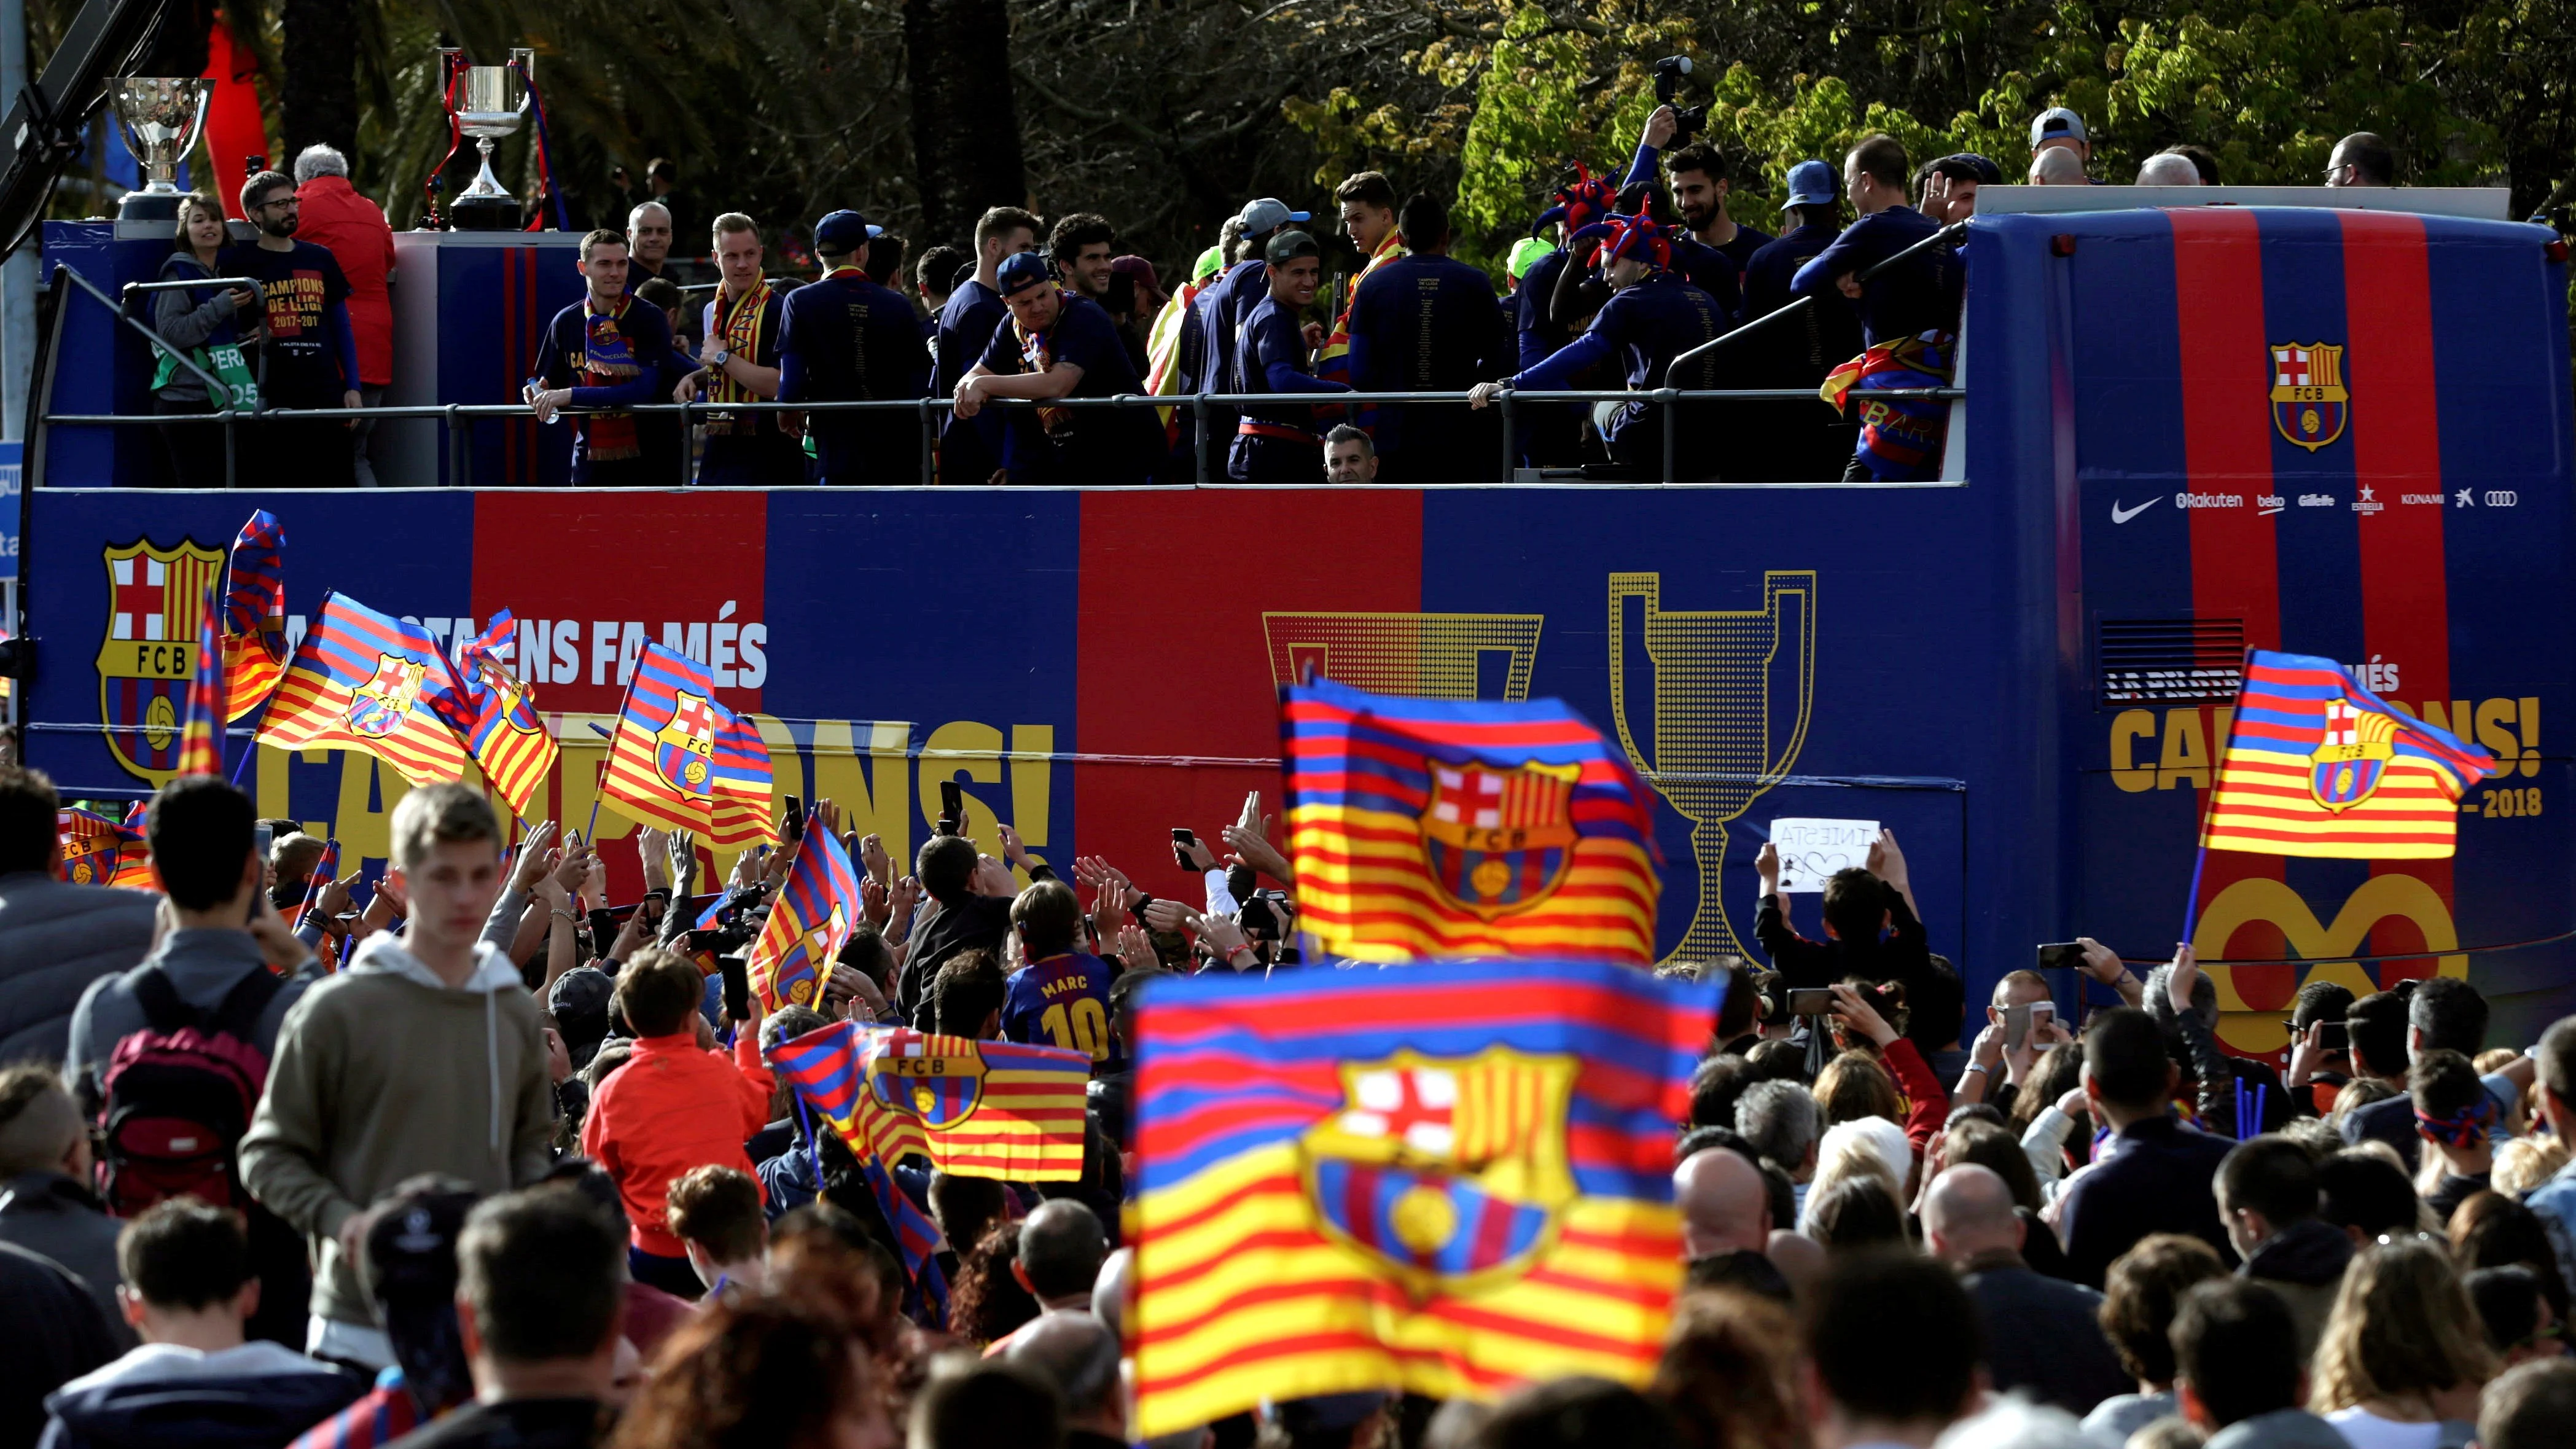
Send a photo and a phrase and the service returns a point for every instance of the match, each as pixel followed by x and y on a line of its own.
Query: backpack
pixel 180 1094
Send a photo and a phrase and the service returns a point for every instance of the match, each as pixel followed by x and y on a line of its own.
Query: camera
pixel 1668 83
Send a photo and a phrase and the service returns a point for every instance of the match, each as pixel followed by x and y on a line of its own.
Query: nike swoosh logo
pixel 2123 515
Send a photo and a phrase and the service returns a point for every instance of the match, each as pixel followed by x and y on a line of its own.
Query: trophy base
pixel 484 213
pixel 150 206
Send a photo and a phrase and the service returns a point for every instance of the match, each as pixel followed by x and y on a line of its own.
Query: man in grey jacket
pixel 424 1055
pixel 55 937
pixel 2239 1373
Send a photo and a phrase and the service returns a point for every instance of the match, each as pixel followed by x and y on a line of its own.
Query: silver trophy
pixel 489 102
pixel 162 116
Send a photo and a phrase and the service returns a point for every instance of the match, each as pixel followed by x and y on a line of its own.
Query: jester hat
pixel 1620 235
pixel 1578 201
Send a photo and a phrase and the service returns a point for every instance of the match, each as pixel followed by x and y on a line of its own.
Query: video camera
pixel 1668 83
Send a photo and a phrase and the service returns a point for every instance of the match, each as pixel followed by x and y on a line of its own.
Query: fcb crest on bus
pixel 2309 403
pixel 148 651
pixel 1499 841
pixel 927 1080
pixel 684 752
pixel 377 707
pixel 1447 1172
pixel 2350 761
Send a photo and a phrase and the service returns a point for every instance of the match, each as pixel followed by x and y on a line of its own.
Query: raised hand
pixel 534 854
pixel 873 858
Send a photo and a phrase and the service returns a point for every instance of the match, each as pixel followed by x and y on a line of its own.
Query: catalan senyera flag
pixel 325 870
pixel 681 761
pixel 91 845
pixel 974 1108
pixel 201 729
pixel 499 718
pixel 1449 1177
pixel 1425 827
pixel 367 681
pixel 812 918
pixel 2316 765
pixel 255 614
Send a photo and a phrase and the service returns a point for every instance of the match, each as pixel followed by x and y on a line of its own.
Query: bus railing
pixel 216 392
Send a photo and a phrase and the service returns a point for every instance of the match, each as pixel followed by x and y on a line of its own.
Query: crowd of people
pixel 1623 284
pixel 492 1160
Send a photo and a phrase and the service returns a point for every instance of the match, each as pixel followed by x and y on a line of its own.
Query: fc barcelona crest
pixel 1447 1172
pixel 921 1077
pixel 1499 841
pixel 2348 764
pixel 2309 403
pixel 684 752
pixel 377 707
pixel 149 650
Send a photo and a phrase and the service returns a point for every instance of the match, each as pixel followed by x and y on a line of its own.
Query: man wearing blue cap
pixel 1802 440
pixel 847 338
pixel 1217 313
pixel 1276 442
pixel 1426 322
pixel 1057 345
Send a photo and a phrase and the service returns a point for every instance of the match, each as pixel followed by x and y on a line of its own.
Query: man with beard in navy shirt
pixel 1653 316
pixel 848 337
pixel 1057 345
pixel 1700 187
pixel 970 449
pixel 1424 322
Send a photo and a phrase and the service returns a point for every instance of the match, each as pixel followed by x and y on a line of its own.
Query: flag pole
pixel 2209 807
pixel 245 759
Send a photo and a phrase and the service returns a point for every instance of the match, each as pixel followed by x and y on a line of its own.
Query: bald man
pixel 2042 1335
pixel 1726 1223
pixel 2168 168
pixel 2057 166
pixel 1076 1352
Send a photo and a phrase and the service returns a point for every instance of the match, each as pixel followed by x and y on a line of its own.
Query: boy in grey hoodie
pixel 424 1056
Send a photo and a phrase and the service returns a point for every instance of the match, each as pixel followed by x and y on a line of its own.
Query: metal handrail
pixel 215 388
pixel 1951 232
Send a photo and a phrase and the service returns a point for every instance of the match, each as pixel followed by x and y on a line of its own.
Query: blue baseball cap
pixel 1813 183
pixel 1268 215
pixel 844 232
pixel 2057 123
pixel 1023 270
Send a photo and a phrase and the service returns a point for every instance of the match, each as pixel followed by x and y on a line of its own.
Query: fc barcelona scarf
pixel 1034 358
pixel 606 361
pixel 740 327
pixel 1900 437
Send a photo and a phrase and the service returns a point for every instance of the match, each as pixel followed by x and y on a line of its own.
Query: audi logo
pixel 2500 498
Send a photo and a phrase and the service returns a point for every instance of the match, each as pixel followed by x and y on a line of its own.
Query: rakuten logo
pixel 602 652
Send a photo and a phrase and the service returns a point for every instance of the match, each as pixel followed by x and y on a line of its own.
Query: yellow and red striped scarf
pixel 739 328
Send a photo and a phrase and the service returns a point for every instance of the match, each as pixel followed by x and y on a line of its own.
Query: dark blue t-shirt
pixel 1538 335
pixel 970 450
pixel 1710 270
pixel 1076 445
pixel 1426 324
pixel 1922 295
pixel 1801 350
pixel 1747 241
pixel 846 339
pixel 1645 326
pixel 1063 1001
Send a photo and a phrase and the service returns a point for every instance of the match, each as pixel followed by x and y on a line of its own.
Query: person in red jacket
pixel 335 216
pixel 675 1105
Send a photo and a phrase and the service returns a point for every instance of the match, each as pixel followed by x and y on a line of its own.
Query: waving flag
pixel 497 715
pixel 1449 1178
pixel 91 844
pixel 201 733
pixel 366 681
pixel 1426 827
pixel 134 867
pixel 974 1108
pixel 681 761
pixel 2316 765
pixel 255 614
pixel 819 1066
pixel 325 870
pixel 813 916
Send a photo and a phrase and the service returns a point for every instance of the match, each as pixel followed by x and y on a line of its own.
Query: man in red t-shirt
pixel 354 229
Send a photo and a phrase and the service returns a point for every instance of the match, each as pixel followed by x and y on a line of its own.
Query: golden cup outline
pixel 1425 656
pixel 1718 708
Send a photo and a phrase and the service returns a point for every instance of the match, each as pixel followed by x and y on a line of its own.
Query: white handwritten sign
pixel 1812 850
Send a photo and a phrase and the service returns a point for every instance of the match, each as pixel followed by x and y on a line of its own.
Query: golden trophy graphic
pixel 1715 717
pixel 1428 656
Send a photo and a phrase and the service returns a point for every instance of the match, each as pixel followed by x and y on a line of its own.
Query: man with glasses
pixel 2361 159
pixel 312 355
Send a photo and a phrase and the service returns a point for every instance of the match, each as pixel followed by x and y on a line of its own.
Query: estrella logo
pixel 149 652
pixel 2253 996
pixel 684 751
pixel 1499 841
pixel 2309 403
pixel 937 1086
pixel 1445 1172
pixel 377 707
pixel 2348 764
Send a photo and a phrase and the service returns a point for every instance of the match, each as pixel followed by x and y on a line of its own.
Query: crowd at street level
pixel 1618 282
pixel 472 1165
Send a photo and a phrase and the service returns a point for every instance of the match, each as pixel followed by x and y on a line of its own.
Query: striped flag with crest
pixel 134 867
pixel 201 732
pixel 974 1108
pixel 368 681
pixel 815 910
pixel 91 845
pixel 498 717
pixel 255 615
pixel 681 761
pixel 325 870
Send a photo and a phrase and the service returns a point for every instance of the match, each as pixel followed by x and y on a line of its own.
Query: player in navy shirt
pixel 1652 317
pixel 1061 997
pixel 1058 345
pixel 1424 322
pixel 602 353
pixel 970 448
pixel 1551 434
pixel 1917 296
pixel 1277 442
pixel 1700 190
pixel 849 338
pixel 1798 441
pixel 1215 319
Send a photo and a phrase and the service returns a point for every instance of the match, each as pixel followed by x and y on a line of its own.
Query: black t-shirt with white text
pixel 303 288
